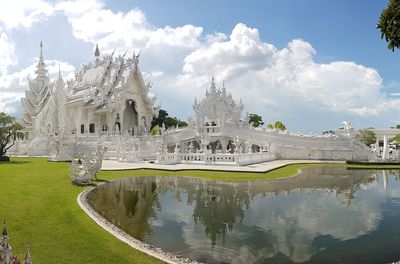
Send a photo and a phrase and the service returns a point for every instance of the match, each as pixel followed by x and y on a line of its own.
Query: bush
pixel 4 158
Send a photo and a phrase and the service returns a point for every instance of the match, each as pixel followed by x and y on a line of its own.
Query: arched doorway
pixel 130 118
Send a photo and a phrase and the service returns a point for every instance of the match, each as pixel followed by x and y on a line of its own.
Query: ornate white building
pixel 219 135
pixel 108 103
pixel 107 97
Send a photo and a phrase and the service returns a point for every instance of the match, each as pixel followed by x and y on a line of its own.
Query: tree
pixel 255 120
pixel 367 136
pixel 168 121
pixel 155 131
pixel 173 122
pixel 278 125
pixel 395 139
pixel 398 126
pixel 160 119
pixel 389 24
pixel 8 133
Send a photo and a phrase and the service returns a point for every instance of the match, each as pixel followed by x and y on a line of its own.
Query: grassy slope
pixel 39 202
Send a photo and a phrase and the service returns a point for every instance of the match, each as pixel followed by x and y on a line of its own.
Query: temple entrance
pixel 130 118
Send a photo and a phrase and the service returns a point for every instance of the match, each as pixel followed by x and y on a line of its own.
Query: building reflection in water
pixel 275 212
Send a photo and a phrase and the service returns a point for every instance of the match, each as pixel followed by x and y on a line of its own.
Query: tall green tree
pixel 255 120
pixel 173 122
pixel 389 24
pixel 8 133
pixel 163 118
pixel 160 119
pixel 278 125
pixel 367 136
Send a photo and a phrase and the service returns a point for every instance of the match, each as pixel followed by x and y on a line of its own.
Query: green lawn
pixel 39 203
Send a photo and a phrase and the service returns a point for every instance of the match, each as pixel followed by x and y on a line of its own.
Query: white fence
pixel 217 159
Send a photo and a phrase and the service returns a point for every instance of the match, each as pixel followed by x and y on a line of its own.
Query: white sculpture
pixel 347 125
pixel 85 169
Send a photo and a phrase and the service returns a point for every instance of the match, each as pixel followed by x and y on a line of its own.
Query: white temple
pixel 108 103
pixel 107 97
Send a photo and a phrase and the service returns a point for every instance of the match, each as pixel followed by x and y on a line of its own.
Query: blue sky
pixel 309 63
pixel 338 30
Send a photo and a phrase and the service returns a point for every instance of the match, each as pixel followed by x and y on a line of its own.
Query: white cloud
pixel 78 7
pixel 265 76
pixel 7 57
pixel 23 13
pixel 124 30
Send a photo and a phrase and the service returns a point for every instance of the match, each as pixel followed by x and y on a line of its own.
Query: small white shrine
pixel 108 104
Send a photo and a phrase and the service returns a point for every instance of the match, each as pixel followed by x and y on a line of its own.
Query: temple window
pixel 82 129
pixel 91 128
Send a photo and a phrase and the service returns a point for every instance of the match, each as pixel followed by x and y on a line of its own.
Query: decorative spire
pixel 4 233
pixel 223 88
pixel 41 50
pixel 97 51
pixel 59 71
pixel 27 256
pixel 212 88
pixel 41 70
pixel 195 104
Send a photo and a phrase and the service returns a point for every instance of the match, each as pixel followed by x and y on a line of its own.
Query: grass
pixel 39 203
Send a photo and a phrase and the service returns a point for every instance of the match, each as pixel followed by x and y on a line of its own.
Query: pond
pixel 323 215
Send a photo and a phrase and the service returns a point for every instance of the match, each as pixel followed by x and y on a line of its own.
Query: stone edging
pixel 126 238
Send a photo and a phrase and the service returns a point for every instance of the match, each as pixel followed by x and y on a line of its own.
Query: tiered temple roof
pixel 102 82
pixel 38 94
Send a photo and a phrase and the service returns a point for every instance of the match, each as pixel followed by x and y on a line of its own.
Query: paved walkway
pixel 261 167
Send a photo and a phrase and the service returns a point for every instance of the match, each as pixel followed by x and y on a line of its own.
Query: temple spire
pixel 213 89
pixel 97 51
pixel 223 88
pixel 27 256
pixel 4 233
pixel 41 70
pixel 41 51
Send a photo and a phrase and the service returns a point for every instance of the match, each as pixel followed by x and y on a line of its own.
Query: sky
pixel 308 63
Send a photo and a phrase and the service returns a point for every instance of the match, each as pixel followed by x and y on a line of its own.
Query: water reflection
pixel 313 217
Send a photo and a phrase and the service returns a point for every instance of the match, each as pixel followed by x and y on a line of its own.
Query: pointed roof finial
pixel 59 70
pixel 97 51
pixel 4 233
pixel 41 50
pixel 27 256
pixel 212 88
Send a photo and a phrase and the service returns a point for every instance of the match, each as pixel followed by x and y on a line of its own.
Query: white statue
pixel 85 169
pixel 347 125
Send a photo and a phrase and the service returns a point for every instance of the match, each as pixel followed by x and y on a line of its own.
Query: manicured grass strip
pixel 283 172
pixel 39 203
